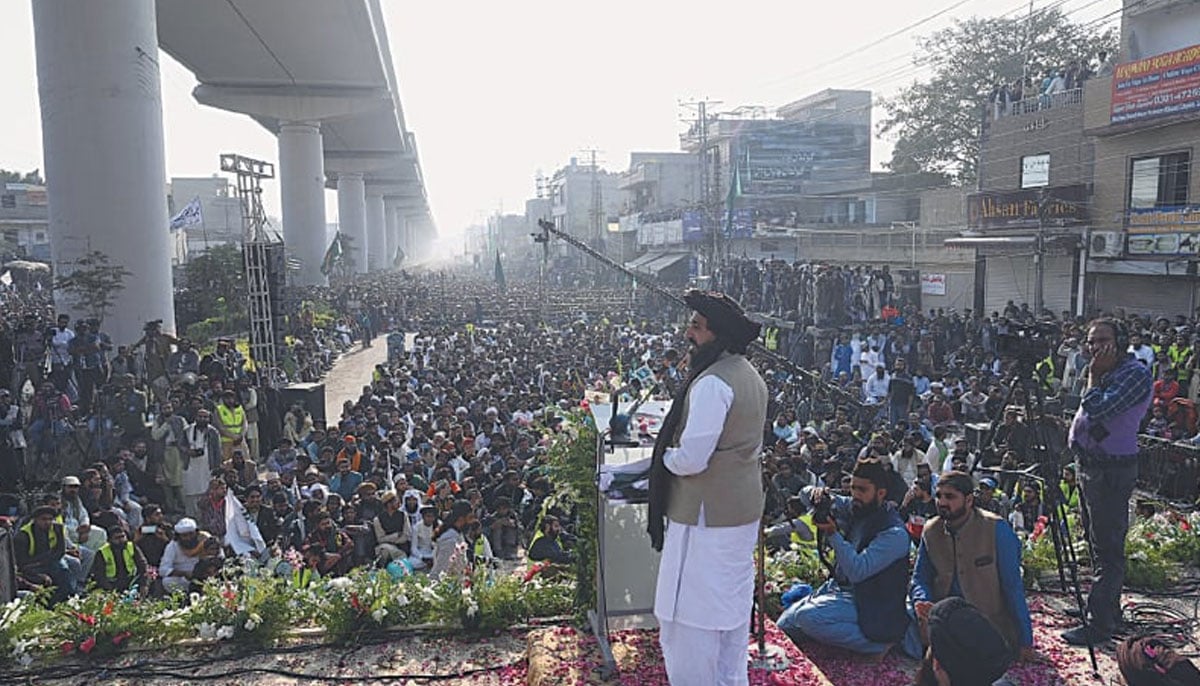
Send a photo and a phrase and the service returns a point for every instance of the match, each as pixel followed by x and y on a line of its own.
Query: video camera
pixel 1028 343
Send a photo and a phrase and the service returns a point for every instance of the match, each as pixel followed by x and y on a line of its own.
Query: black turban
pixel 966 644
pixel 725 317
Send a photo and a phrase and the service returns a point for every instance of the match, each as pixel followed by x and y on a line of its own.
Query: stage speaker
pixel 310 395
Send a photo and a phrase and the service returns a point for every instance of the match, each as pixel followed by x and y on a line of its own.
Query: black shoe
pixel 1083 636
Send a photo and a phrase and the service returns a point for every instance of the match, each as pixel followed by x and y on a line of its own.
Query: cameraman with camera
pixel 862 608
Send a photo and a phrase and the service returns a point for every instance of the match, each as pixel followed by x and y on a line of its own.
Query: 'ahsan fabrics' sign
pixel 1157 86
pixel 1063 206
pixel 1163 231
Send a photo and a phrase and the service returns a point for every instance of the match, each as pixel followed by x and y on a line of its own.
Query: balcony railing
pixel 1037 103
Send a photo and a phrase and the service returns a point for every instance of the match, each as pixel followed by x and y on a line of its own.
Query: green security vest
pixel 51 535
pixel 110 560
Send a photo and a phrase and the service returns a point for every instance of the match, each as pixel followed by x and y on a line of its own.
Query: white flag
pixel 6 278
pixel 191 215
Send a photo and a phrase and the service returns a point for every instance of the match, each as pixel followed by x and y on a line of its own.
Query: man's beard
pixel 951 515
pixel 861 510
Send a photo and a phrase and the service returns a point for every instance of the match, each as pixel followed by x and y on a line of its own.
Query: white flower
pixel 207 630
pixel 379 614
pixel 250 625
pixel 225 632
pixel 340 583
pixel 193 598
pixel 402 600
pixel 472 609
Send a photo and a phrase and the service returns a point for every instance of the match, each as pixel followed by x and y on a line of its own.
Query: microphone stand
pixel 770 658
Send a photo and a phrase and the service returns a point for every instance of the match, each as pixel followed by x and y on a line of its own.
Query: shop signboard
pixel 1158 86
pixel 1062 206
pixel 1163 231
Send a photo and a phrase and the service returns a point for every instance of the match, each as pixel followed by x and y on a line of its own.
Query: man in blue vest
pixel 1104 436
pixel 863 607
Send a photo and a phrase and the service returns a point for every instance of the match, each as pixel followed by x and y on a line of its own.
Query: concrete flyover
pixel 317 73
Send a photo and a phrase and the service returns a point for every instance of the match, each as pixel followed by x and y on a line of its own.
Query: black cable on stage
pixel 145 671
pixel 173 668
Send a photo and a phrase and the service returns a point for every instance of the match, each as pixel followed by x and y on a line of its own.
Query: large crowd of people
pixel 193 461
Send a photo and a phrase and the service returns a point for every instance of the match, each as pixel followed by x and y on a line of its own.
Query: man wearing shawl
pixel 706 480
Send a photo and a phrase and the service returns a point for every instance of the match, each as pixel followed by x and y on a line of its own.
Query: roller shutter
pixel 1014 277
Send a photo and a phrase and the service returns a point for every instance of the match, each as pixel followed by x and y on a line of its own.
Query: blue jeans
pixel 1107 488
pixel 828 616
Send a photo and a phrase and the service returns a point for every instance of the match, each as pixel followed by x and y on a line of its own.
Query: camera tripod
pixel 1046 469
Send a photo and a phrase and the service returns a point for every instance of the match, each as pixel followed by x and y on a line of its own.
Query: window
pixel 1035 171
pixel 8 201
pixel 39 237
pixel 1160 181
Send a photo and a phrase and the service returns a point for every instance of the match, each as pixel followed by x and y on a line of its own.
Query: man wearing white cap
pixel 181 555
pixel 79 525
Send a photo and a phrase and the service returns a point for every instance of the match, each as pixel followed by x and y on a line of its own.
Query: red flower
pixel 90 620
pixel 534 570
pixel 120 638
pixel 354 603
pixel 88 644
pixel 108 609
pixel 1183 524
pixel 67 647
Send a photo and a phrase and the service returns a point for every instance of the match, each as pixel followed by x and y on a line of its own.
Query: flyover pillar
pixel 352 218
pixel 395 219
pixel 302 193
pixel 102 141
pixel 377 258
pixel 405 237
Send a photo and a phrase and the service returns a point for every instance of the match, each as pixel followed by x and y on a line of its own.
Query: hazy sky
pixel 496 91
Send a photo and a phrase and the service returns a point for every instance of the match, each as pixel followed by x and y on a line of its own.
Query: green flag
pixel 500 273
pixel 735 189
pixel 333 255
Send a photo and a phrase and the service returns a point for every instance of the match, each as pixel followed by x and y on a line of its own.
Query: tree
pixel 936 122
pixel 34 177
pixel 214 286
pixel 92 284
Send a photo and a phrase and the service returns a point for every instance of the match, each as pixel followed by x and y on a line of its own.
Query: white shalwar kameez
pixel 706 574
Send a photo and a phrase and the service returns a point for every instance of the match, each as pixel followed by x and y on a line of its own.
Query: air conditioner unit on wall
pixel 1106 244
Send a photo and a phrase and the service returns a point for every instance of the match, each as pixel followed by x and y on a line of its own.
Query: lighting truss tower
pixel 257 250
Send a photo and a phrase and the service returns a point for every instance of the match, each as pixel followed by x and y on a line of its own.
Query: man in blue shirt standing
pixel 971 553
pixel 862 607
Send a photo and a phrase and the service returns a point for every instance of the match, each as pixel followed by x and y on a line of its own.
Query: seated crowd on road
pixel 195 462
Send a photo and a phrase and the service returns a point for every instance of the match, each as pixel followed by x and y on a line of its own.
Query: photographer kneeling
pixel 863 607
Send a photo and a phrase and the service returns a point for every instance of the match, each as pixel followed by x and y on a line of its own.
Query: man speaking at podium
pixel 705 478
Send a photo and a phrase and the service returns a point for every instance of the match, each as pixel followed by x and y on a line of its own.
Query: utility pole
pixel 1039 256
pixel 701 128
pixel 596 213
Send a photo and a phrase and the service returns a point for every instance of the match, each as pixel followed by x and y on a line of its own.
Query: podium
pixel 626 565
